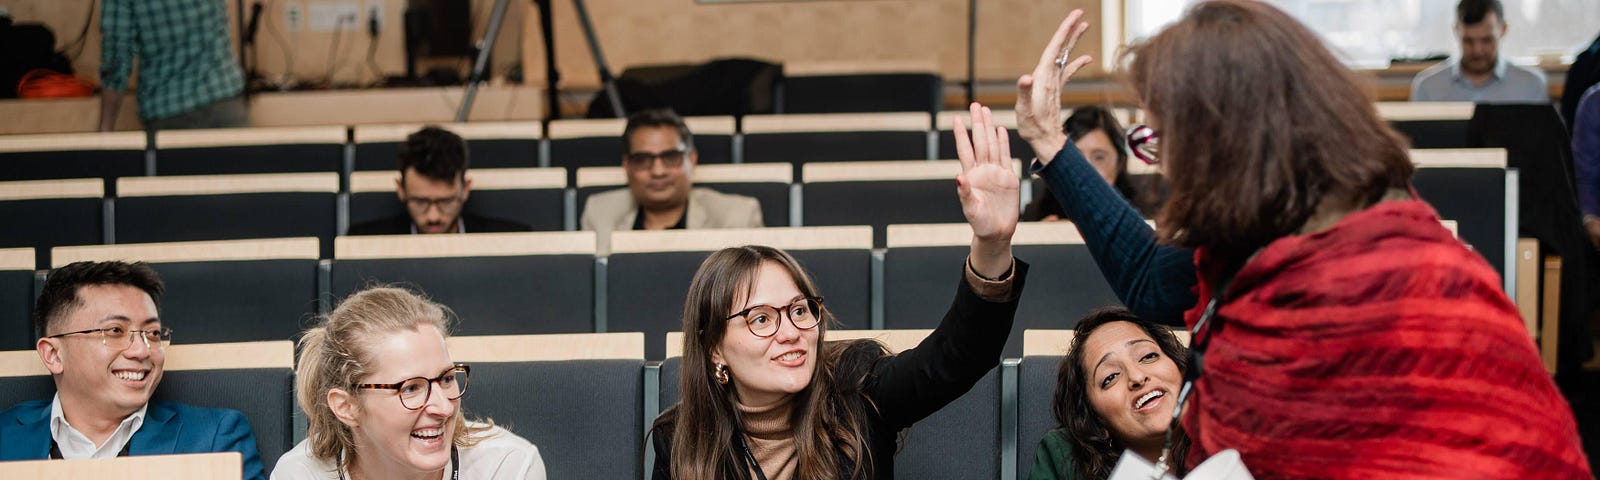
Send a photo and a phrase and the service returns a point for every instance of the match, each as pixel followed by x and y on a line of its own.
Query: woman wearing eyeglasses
pixel 1344 332
pixel 764 397
pixel 384 400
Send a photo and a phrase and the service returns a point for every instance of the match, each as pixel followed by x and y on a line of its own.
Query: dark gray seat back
pixel 497 284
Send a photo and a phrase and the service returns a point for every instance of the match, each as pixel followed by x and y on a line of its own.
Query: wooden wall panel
pixel 1010 34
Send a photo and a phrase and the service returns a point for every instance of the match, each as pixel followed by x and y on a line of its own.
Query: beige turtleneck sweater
pixel 771 437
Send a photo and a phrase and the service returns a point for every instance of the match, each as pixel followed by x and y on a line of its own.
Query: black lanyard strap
pixel 455 464
pixel 55 450
pixel 750 457
pixel 1200 337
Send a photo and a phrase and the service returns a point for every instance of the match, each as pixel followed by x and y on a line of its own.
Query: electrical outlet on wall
pixel 294 16
pixel 374 14
pixel 337 15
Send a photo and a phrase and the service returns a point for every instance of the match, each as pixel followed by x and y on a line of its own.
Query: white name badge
pixel 1225 465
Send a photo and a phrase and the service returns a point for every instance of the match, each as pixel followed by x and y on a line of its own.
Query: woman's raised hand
pixel 988 187
pixel 1039 93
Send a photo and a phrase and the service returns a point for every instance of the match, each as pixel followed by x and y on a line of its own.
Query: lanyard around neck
pixel 750 456
pixel 1204 328
pixel 455 464
pixel 55 450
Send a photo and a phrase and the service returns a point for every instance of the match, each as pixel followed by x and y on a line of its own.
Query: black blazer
pixel 904 388
pixel 401 225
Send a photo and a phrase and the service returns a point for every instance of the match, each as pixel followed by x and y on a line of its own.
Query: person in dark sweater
pixel 764 396
pixel 434 186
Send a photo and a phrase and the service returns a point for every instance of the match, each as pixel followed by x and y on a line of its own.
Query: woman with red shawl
pixel 1352 336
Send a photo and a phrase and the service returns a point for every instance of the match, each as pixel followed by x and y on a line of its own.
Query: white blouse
pixel 501 455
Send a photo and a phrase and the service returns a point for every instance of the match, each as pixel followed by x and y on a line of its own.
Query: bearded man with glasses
pixel 102 340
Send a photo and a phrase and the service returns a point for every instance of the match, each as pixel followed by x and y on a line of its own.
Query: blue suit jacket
pixel 168 428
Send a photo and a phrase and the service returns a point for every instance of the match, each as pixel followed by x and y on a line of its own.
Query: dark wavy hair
pixel 1089 118
pixel 435 153
pixel 1095 449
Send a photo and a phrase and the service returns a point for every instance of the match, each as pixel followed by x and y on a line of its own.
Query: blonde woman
pixel 384 400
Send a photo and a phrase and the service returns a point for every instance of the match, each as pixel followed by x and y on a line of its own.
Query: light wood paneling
pixel 194 466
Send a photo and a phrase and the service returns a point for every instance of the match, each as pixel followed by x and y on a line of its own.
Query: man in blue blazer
pixel 103 343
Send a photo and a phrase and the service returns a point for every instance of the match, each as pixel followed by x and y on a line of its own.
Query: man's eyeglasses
pixel 446 205
pixel 120 338
pixel 670 158
pixel 764 320
pixel 414 392
pixel 1145 143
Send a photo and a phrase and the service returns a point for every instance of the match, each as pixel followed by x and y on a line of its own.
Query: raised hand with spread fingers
pixel 988 187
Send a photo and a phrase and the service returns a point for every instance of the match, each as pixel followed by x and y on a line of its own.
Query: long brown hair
pixel 1259 124
pixel 705 416
pixel 1095 449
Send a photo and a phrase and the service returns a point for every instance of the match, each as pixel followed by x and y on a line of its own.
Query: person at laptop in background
pixel 433 185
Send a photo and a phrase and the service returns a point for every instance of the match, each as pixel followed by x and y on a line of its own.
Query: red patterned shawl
pixel 1379 348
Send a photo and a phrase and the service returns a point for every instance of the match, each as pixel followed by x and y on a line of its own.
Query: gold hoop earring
pixel 721 374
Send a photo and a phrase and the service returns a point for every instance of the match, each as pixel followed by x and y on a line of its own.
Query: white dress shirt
pixel 75 446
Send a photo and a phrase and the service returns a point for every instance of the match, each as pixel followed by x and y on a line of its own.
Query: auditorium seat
pixel 837 137
pixel 1005 118
pixel 922 269
pixel 105 155
pixel 1472 187
pixel 880 193
pixel 581 143
pixel 250 150
pixel 497 283
pixel 578 398
pixel 255 378
pixel 863 92
pixel 1429 124
pixel 648 273
pixel 532 196
pixel 46 213
pixel 489 144
pixel 225 291
pixel 226 207
pixel 16 298
pixel 768 183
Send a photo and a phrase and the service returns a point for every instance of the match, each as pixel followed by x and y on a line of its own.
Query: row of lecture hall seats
pixel 586 400
pixel 553 282
pixel 1469 185
pixel 797 138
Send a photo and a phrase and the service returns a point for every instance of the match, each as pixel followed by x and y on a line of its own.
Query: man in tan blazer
pixel 660 163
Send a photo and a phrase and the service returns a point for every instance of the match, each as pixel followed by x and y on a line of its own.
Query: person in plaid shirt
pixel 188 77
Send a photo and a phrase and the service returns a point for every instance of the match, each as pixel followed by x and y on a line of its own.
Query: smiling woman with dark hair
pixel 1115 390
